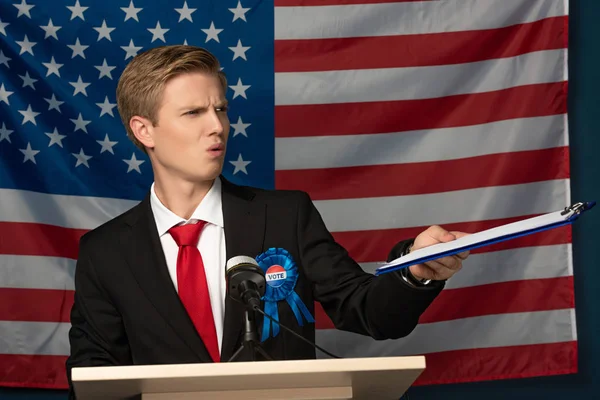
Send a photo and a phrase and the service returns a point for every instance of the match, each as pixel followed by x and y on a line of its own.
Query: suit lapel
pixel 147 261
pixel 244 221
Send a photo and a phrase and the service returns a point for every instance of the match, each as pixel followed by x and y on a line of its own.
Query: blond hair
pixel 140 87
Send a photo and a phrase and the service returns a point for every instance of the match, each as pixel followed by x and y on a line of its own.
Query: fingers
pixel 437 269
pixel 450 262
pixel 458 234
pixel 440 234
pixel 441 268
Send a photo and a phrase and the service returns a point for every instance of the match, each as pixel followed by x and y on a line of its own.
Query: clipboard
pixel 490 236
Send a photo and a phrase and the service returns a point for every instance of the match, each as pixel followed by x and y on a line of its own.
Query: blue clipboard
pixel 491 236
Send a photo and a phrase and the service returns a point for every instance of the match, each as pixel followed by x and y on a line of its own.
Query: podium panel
pixel 350 378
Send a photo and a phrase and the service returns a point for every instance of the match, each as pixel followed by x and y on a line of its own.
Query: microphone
pixel 245 281
pixel 246 284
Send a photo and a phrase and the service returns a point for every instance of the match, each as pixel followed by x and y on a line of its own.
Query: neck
pixel 179 196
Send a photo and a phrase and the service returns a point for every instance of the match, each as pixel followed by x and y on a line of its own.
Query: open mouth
pixel 217 149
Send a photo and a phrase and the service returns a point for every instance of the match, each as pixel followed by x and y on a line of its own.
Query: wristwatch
pixel 408 277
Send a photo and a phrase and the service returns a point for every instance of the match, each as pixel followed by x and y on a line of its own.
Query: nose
pixel 217 122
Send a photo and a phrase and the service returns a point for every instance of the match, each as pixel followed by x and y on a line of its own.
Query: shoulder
pixel 109 231
pixel 269 196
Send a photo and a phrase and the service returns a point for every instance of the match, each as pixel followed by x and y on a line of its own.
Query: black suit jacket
pixel 127 311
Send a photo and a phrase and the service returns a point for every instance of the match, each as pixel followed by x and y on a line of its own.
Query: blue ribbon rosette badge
pixel 281 274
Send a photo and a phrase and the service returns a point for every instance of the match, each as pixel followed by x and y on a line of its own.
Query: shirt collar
pixel 210 210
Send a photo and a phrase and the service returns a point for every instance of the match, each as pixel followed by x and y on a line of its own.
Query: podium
pixel 349 378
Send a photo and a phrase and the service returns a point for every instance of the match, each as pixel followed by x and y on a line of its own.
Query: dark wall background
pixel 584 120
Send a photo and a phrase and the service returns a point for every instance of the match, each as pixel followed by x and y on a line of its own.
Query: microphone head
pixel 239 260
pixel 243 272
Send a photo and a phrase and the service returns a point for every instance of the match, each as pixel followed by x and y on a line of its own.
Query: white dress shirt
pixel 211 245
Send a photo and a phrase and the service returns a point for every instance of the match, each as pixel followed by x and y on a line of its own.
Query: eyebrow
pixel 221 103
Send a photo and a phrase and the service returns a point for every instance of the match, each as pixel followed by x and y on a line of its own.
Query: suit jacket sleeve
pixel 383 307
pixel 97 335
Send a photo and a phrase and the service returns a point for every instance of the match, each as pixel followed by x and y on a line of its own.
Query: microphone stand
pixel 250 340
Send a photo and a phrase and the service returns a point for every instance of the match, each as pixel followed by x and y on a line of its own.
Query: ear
pixel 143 130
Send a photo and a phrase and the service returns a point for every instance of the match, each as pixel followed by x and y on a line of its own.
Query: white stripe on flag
pixel 67 211
pixel 539 262
pixel 50 338
pixel 408 18
pixel 467 333
pixel 43 338
pixel 36 272
pixel 389 84
pixel 519 134
pixel 443 208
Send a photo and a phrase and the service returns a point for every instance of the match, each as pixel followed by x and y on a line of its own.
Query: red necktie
pixel 193 288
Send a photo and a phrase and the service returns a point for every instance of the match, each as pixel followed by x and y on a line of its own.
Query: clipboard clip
pixel 577 208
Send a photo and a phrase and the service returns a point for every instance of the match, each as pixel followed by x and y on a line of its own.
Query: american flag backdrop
pixel 393 115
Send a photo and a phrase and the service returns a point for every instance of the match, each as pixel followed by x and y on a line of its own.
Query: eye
pixel 222 108
pixel 192 112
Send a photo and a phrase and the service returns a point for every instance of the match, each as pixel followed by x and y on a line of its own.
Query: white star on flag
pixel 240 165
pixel 50 30
pixel 239 89
pixel 239 50
pixel 53 67
pixel 133 164
pixel 212 33
pixel 131 12
pixel 185 12
pixel 26 45
pixel 131 50
pixel 4 94
pixel 105 70
pixel 29 115
pixel 78 49
pixel 3 26
pixel 29 153
pixel 24 8
pixel 54 104
pixel 104 31
pixel 240 127
pixel 3 59
pixel 80 86
pixel 106 144
pixel 82 159
pixel 5 133
pixel 80 123
pixel 106 107
pixel 55 138
pixel 239 12
pixel 77 11
pixel 158 33
pixel 27 80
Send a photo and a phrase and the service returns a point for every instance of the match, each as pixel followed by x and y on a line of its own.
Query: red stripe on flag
pixel 310 3
pixel 508 297
pixel 374 245
pixel 418 50
pixel 444 367
pixel 39 240
pixel 499 363
pixel 35 305
pixel 405 115
pixel 33 371
pixel 475 172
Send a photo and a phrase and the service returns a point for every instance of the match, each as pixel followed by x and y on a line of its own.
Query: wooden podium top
pixel 360 378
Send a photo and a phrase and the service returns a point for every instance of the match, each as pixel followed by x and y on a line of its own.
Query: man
pixel 138 297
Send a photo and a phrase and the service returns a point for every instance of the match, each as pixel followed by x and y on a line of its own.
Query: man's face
pixel 190 138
